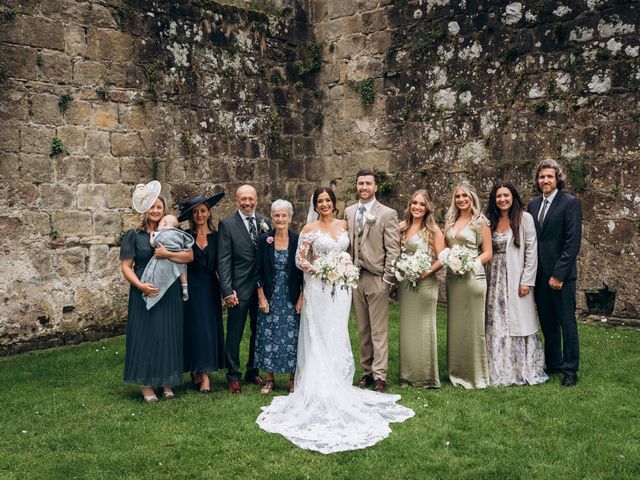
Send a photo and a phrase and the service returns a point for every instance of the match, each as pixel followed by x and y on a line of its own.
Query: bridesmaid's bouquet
pixel 460 260
pixel 410 267
pixel 337 269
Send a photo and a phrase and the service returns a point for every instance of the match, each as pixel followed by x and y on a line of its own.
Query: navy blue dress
pixel 203 332
pixel 154 337
pixel 277 335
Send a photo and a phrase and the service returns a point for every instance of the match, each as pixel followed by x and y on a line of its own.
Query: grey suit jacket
pixel 380 245
pixel 237 268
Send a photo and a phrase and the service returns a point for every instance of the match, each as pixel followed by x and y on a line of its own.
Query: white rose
pixel 455 264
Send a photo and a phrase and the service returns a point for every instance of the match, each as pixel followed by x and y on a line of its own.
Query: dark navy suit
pixel 558 247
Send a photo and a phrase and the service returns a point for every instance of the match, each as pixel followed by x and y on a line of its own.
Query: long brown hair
pixel 515 211
pixel 143 224
pixel 428 225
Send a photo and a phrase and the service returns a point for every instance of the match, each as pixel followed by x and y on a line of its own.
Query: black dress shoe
pixel 569 380
pixel 366 381
pixel 551 371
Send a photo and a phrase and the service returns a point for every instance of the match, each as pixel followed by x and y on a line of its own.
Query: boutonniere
pixel 269 240
pixel 263 226
pixel 369 218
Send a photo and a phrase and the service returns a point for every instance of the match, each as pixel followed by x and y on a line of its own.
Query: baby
pixel 163 272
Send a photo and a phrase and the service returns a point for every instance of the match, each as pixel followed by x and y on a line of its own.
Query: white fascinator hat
pixel 144 195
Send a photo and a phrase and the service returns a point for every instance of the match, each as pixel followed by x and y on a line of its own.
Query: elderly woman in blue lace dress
pixel 279 297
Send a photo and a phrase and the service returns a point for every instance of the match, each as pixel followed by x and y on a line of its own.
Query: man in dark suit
pixel 237 250
pixel 558 219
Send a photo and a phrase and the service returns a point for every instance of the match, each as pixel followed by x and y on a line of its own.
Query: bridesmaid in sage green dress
pixel 418 338
pixel 466 347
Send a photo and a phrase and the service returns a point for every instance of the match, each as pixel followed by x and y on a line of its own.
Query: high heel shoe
pixel 168 394
pixel 148 397
pixel 205 386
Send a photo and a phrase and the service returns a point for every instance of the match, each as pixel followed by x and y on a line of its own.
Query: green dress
pixel 154 337
pixel 466 346
pixel 418 339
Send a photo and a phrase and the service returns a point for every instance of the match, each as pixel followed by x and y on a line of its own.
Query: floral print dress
pixel 277 335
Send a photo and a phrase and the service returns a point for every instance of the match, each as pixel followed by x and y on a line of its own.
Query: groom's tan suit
pixel 375 249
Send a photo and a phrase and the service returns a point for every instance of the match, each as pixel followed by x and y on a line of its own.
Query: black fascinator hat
pixel 186 207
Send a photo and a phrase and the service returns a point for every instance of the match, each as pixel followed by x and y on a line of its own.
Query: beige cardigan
pixel 522 265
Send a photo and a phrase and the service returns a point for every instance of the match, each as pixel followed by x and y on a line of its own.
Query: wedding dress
pixel 326 413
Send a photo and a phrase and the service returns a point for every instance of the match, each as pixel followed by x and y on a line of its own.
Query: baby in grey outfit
pixel 163 272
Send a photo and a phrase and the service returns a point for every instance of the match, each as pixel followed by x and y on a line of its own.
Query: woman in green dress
pixel 418 339
pixel 154 337
pixel 466 347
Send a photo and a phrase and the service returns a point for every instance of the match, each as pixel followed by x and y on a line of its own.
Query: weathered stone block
pixel 36 168
pixel 89 73
pixel 126 145
pixel 92 196
pixel 105 115
pixel 118 196
pixel 304 146
pixel 106 223
pixel 126 75
pixel 71 261
pixel 56 197
pixel 40 32
pixel 10 137
pixel 19 62
pixel 109 45
pixel 374 21
pixel 130 220
pixel 9 166
pixel 75 42
pixel 14 104
pixel 45 110
pixel 99 259
pixel 36 140
pixel 133 117
pixel 72 170
pixel 341 9
pixel 380 42
pixel 135 170
pixel 78 113
pixel 350 46
pixel 41 260
pixel 97 143
pixel 106 169
pixel 11 31
pixel 56 67
pixel 37 223
pixel 71 223
pixel 72 139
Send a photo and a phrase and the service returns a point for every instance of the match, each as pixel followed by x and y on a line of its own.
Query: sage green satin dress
pixel 466 346
pixel 418 339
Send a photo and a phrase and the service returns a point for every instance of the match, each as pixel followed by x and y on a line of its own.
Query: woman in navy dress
pixel 279 297
pixel 154 337
pixel 203 332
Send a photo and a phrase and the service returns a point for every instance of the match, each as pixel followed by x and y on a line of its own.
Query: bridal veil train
pixel 326 413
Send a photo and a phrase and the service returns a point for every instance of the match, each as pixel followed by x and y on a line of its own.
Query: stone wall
pixel 99 96
pixel 435 91
pixel 96 96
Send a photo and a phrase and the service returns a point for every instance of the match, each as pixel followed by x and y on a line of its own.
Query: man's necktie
pixel 543 212
pixel 252 230
pixel 360 219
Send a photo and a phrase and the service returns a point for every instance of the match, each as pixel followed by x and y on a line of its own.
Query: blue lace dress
pixel 277 335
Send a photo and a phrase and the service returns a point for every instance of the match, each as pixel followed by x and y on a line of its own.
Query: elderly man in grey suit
pixel 375 247
pixel 237 269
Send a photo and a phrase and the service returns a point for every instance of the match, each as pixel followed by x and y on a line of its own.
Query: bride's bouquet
pixel 337 269
pixel 410 267
pixel 460 260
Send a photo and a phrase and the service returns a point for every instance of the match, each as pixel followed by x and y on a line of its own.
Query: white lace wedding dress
pixel 326 413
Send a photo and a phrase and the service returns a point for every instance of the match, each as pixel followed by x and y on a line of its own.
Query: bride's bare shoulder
pixel 310 227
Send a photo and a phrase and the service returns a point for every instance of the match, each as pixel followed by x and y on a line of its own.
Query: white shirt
pixel 550 198
pixel 246 224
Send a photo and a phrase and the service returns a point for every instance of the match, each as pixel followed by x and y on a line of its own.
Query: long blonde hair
pixel 428 225
pixel 143 224
pixel 454 212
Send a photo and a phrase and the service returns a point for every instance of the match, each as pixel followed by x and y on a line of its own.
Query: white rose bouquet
pixel 337 269
pixel 410 267
pixel 460 260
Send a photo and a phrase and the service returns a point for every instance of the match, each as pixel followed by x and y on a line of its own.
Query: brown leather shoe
pixel 257 379
pixel 234 386
pixel 379 385
pixel 365 382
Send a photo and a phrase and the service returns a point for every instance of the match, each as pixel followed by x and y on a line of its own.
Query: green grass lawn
pixel 65 413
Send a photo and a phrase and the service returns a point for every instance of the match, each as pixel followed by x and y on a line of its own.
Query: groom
pixel 374 246
pixel 237 253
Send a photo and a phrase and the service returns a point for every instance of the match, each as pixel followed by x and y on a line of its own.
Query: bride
pixel 326 413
